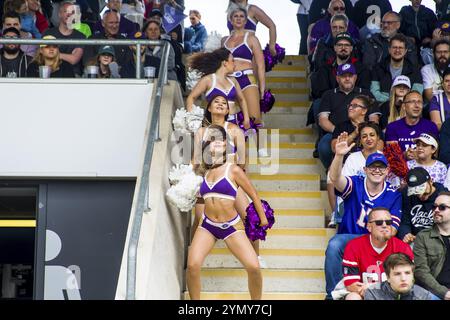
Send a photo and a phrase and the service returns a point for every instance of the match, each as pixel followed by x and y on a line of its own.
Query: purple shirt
pixel 404 134
pixel 435 106
pixel 322 28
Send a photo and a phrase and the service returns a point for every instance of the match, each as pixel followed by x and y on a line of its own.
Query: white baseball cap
pixel 427 139
pixel 404 80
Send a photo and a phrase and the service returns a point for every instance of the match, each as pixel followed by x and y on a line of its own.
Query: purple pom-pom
pixel 254 127
pixel 270 60
pixel 267 102
pixel 252 228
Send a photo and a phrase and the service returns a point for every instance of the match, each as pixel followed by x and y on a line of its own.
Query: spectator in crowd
pixel 69 53
pixel 303 23
pixel 376 48
pixel 27 21
pixel 319 9
pixel 399 269
pixel 367 16
pixel 405 130
pixel 394 65
pixel 418 23
pixel 332 108
pixel 444 138
pixel 34 7
pixel 363 256
pixel 432 251
pixel 195 36
pixel 360 195
pixel 127 28
pixel 49 55
pixel 343 52
pixel 133 7
pixel 442 32
pixel 391 110
pixel 322 28
pixel 13 61
pixel 442 9
pixel 417 203
pixel 425 156
pixel 432 73
pixel 106 63
pixel 110 23
pixel 11 19
pixel 177 46
pixel 440 105
pixel 325 50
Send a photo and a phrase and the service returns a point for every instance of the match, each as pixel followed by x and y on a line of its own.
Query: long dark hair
pixel 207 118
pixel 206 145
pixel 209 62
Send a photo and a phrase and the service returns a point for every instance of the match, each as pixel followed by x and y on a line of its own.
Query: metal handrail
pixel 93 42
pixel 143 181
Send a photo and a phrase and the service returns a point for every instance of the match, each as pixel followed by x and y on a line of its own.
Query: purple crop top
pixel 214 91
pixel 242 51
pixel 222 188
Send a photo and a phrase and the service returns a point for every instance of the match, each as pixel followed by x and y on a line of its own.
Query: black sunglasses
pixel 441 207
pixel 380 222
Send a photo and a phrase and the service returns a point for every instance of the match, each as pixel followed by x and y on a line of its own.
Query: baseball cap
pixel 138 35
pixel 416 180
pixel 444 26
pixel 107 50
pixel 404 80
pixel 376 157
pixel 428 139
pixel 11 29
pixel 345 68
pixel 47 37
pixel 343 36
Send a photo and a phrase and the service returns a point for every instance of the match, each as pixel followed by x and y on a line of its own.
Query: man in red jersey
pixel 364 256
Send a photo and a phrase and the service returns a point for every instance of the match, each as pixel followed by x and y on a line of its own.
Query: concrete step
pixel 286 182
pixel 302 97
pixel 294 238
pixel 289 72
pixel 294 61
pixel 294 200
pixel 235 280
pixel 275 258
pixel 265 296
pixel 285 82
pixel 288 166
pixel 283 120
pixel 290 107
pixel 281 150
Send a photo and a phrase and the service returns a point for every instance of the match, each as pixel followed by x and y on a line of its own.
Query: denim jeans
pixel 325 152
pixel 333 260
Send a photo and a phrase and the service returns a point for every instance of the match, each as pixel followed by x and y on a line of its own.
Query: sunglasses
pixel 380 222
pixel 339 8
pixel 441 207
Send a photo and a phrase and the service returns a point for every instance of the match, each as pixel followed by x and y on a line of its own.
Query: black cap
pixel 11 29
pixel 417 176
pixel 344 36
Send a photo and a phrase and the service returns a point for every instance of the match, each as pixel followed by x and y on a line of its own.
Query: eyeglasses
pixel 380 222
pixel 354 106
pixel 389 22
pixel 398 48
pixel 416 102
pixel 339 8
pixel 374 169
pixel 10 37
pixel 441 207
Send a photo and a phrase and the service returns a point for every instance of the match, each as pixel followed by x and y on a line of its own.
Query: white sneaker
pixel 263 153
pixel 262 263
pixel 332 223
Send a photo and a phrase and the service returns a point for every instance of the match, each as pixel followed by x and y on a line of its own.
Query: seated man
pixel 417 207
pixel 394 65
pixel 405 130
pixel 432 74
pixel 432 251
pixel 13 61
pixel 127 28
pixel 12 20
pixel 363 256
pixel 195 36
pixel 399 269
pixel 361 195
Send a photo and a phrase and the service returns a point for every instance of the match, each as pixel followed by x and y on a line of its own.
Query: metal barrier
pixel 94 42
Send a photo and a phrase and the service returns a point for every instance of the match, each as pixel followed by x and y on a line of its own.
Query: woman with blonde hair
pixel 48 55
pixel 392 110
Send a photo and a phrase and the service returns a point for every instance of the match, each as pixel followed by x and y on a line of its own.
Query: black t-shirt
pixel 444 276
pixel 65 71
pixel 10 67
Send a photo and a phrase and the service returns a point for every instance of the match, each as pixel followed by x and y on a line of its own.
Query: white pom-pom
pixel 183 194
pixel 194 118
pixel 178 171
pixel 213 42
pixel 179 120
pixel 192 77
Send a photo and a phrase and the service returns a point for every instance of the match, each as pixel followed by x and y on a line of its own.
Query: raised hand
pixel 342 147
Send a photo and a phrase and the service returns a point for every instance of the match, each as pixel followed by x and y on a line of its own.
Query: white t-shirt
pixel 431 78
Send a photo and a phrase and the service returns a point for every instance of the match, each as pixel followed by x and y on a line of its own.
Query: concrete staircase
pixel 295 247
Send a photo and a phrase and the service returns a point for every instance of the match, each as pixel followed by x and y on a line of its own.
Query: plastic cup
pixel 44 72
pixel 149 72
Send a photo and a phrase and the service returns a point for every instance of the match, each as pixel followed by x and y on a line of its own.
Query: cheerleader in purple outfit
pixel 216 66
pixel 220 219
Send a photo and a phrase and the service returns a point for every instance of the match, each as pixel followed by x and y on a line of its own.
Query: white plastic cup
pixel 149 72
pixel 92 71
pixel 44 72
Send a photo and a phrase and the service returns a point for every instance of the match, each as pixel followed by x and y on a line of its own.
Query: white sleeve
pixel 427 77
pixel 349 168
pixel 447 180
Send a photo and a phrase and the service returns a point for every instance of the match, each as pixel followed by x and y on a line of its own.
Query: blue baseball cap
pixel 376 157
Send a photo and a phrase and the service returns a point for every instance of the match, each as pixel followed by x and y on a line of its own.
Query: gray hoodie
pixel 386 293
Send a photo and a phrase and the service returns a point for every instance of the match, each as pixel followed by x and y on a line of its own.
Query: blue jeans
pixel 325 152
pixel 333 260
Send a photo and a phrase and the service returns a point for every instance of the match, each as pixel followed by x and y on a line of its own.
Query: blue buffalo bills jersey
pixel 358 203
